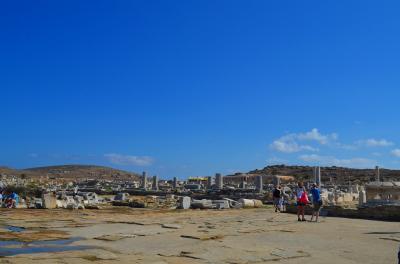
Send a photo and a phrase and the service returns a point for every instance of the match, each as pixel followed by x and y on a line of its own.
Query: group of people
pixel 302 201
pixel 280 199
pixel 9 199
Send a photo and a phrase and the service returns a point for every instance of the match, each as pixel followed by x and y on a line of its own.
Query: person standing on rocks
pixel 317 201
pixel 301 196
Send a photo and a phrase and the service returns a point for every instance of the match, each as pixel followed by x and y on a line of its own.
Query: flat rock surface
pixel 127 235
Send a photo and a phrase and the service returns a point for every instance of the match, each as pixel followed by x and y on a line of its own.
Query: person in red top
pixel 301 196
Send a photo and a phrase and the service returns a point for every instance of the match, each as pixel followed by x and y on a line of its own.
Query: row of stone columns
pixel 219 182
pixel 317 175
pixel 154 182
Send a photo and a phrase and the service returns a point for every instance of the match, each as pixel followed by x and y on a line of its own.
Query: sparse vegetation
pixel 71 172
pixel 336 174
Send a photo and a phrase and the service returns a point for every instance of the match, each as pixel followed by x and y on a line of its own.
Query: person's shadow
pixel 382 233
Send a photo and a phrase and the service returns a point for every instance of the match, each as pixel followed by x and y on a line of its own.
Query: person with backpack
pixel 277 198
pixel 317 201
pixel 302 201
pixel 11 199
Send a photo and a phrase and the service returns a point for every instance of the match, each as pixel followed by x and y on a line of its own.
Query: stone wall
pixel 387 212
pixel 383 193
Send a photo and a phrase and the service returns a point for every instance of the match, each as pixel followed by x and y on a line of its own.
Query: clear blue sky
pixel 183 88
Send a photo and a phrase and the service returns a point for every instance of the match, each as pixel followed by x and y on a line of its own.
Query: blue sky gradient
pixel 182 88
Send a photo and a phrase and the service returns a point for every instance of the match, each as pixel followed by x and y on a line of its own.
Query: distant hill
pixel 8 171
pixel 72 172
pixel 336 174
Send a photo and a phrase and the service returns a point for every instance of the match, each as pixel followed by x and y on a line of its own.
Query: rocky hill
pixel 71 172
pixel 335 174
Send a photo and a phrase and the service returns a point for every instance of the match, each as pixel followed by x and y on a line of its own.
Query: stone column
pixel 155 183
pixel 175 183
pixel 219 181
pixel 144 180
pixel 317 175
pixel 377 174
pixel 276 181
pixel 362 198
pixel 209 182
pixel 259 183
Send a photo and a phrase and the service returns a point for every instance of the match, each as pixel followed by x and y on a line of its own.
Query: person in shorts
pixel 277 198
pixel 301 196
pixel 317 201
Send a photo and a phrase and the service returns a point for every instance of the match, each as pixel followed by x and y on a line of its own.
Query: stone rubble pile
pixel 90 200
pixel 154 202
pixel 80 200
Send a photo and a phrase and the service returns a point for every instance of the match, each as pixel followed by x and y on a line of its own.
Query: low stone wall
pixel 384 212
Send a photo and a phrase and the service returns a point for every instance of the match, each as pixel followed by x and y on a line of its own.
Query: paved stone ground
pixel 125 235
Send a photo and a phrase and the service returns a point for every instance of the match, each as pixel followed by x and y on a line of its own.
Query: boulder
pixel 221 204
pixel 49 201
pixel 184 202
pixel 202 204
pixel 247 203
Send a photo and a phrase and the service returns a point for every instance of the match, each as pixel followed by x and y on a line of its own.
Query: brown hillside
pixel 337 174
pixel 72 172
